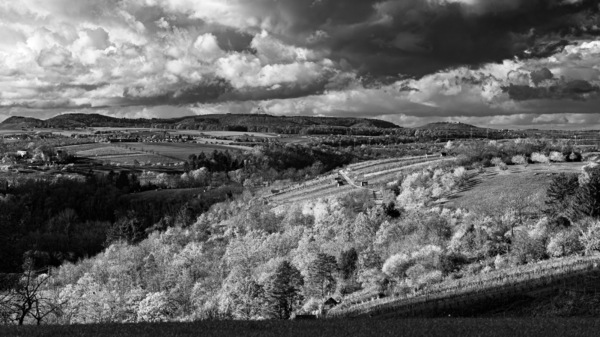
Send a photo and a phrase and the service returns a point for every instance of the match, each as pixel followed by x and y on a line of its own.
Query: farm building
pixel 330 303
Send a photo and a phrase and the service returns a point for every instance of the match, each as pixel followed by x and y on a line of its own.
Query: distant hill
pixel 448 126
pixel 17 123
pixel 231 122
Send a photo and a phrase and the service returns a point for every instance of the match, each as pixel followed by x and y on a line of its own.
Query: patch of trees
pixel 66 219
pixel 571 198
pixel 485 154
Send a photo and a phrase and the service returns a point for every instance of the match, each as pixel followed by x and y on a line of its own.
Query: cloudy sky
pixel 498 63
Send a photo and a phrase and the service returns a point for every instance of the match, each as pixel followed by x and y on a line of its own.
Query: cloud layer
pixel 408 61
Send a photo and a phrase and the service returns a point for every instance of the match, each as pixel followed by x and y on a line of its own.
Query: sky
pixel 493 63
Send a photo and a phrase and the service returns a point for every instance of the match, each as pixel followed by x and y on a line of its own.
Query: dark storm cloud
pixel 190 94
pixel 417 37
pixel 577 90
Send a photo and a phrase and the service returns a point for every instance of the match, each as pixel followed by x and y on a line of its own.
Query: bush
pixel 503 166
pixel 452 262
pixel 519 160
pixel 156 307
pixel 574 156
pixel 429 278
pixel 526 249
pixel 541 158
pixel 590 236
pixel 564 243
pixel 396 265
pixel 556 156
pixel 460 176
pixel 311 305
pixel 496 161
pixel 500 262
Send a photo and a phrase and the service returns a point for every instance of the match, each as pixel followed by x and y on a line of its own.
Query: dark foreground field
pixel 330 328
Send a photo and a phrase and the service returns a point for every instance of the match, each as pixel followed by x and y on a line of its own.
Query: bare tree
pixel 27 297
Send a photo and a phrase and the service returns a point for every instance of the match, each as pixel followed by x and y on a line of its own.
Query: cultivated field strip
pixel 381 170
pixel 364 165
pixel 390 175
pixel 304 191
pixel 500 283
pixel 305 185
pixel 326 186
pixel 331 191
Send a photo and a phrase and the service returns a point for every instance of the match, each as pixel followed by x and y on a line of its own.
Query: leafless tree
pixel 26 297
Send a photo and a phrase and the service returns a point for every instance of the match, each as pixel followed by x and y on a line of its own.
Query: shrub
pixel 500 262
pixel 415 272
pixel 311 305
pixel 526 249
pixel 156 307
pixel 590 236
pixel 519 160
pixel 496 161
pixel 452 262
pixel 556 156
pixel 429 278
pixel 574 156
pixel 396 265
pixel 503 166
pixel 564 243
pixel 541 158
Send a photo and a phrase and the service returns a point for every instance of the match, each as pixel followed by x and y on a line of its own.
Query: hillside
pixel 448 126
pixel 17 122
pixel 232 122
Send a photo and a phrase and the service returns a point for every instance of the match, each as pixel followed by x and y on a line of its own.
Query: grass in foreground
pixel 329 328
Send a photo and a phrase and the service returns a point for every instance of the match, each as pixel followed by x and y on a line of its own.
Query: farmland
pixel 228 134
pixel 377 173
pixel 181 151
pixel 143 153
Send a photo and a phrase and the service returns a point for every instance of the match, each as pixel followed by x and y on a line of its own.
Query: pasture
pixel 484 190
pixel 120 154
pixel 143 153
pixel 181 151
pixel 443 327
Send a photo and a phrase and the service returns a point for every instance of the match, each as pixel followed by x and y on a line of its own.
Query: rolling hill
pixel 448 126
pixel 231 122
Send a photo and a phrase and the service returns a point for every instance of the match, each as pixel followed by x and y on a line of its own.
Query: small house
pixel 330 303
pixel 364 183
pixel 22 153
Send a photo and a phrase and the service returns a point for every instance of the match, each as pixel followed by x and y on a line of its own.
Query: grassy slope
pixel 329 328
pixel 533 180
